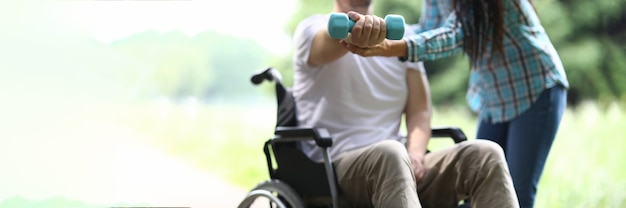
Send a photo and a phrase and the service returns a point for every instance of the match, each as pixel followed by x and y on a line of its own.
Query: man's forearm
pixel 418 134
pixel 417 112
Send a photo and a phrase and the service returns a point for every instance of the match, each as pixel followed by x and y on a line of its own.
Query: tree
pixel 208 65
pixel 590 37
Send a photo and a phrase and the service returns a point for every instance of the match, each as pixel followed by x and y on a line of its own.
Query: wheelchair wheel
pixel 275 193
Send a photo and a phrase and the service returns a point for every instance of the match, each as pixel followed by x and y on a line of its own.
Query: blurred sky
pixel 108 20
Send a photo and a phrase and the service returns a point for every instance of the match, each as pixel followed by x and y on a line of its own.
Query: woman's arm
pixel 429 45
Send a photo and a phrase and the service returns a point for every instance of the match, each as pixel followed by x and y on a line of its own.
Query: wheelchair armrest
pixel 290 133
pixel 452 132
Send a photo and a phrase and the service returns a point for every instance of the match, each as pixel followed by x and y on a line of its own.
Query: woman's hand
pixel 387 48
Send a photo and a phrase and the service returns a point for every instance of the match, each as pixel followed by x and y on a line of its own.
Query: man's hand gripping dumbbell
pixel 365 30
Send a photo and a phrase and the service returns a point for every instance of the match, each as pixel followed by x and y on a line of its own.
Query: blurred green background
pixel 102 101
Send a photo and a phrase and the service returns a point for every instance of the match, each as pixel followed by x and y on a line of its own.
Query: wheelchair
pixel 295 180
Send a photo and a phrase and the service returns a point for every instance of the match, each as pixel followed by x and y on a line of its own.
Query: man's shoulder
pixel 316 17
pixel 310 25
pixel 313 20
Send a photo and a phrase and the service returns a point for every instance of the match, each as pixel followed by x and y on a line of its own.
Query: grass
pixel 585 168
pixel 221 139
pixel 60 202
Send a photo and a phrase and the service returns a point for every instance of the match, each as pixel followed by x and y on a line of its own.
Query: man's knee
pixel 390 147
pixel 484 149
pixel 390 151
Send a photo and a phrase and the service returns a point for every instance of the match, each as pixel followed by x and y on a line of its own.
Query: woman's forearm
pixel 398 48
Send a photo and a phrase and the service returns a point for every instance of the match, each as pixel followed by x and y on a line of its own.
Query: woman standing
pixel 517 82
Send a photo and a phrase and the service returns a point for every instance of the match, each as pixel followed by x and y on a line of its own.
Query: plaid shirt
pixel 505 87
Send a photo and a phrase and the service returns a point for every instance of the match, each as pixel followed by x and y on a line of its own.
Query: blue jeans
pixel 527 140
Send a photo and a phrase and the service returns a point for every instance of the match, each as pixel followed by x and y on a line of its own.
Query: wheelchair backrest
pixel 286 105
pixel 293 167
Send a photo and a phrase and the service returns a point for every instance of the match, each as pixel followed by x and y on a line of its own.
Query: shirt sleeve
pixel 418 66
pixel 436 43
pixel 304 35
pixel 429 17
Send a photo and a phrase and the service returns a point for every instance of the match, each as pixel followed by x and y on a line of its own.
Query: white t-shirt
pixel 359 100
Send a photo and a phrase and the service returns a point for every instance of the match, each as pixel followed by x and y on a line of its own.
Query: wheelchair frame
pixel 296 181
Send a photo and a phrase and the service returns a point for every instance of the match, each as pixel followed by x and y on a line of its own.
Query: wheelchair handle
pixel 453 132
pixel 269 74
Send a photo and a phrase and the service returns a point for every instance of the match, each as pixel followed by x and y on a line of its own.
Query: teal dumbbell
pixel 339 25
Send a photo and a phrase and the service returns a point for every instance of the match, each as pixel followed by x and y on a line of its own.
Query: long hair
pixel 482 22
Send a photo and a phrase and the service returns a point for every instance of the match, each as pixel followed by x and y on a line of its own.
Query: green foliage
pixel 590 37
pixel 447 78
pixel 410 10
pixel 307 8
pixel 57 202
pixel 209 65
pixel 584 169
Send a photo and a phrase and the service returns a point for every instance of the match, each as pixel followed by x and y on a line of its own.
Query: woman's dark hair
pixel 482 22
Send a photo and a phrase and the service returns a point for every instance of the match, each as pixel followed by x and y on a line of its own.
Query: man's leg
pixel 475 168
pixel 379 175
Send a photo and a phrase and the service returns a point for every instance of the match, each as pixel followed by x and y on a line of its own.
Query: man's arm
pixel 418 113
pixel 324 49
pixel 368 30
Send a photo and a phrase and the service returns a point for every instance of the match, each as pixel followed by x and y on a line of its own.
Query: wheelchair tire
pixel 277 192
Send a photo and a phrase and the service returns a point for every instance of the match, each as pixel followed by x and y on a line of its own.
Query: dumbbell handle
pixel 339 25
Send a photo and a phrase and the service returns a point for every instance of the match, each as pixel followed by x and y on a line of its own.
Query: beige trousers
pixel 380 176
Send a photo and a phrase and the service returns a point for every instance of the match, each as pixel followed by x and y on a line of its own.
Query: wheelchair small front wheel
pixel 279 195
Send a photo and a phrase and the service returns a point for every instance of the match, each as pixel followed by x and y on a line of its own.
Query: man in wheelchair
pixel 361 102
